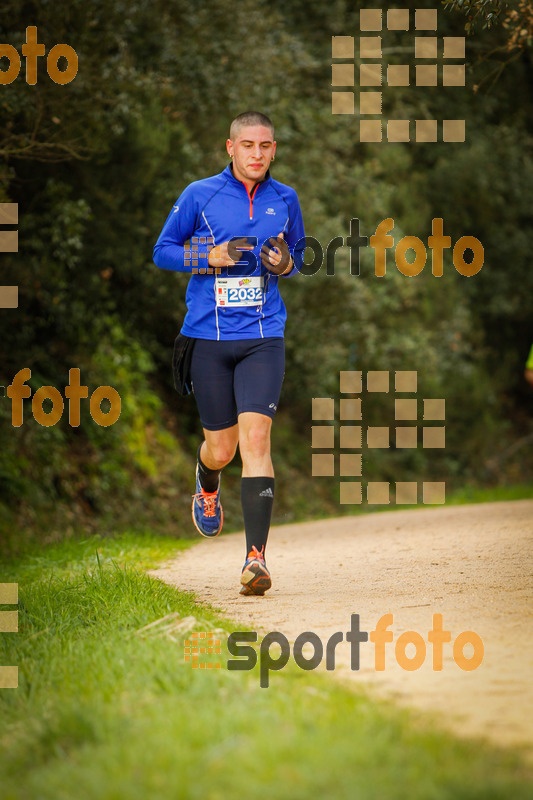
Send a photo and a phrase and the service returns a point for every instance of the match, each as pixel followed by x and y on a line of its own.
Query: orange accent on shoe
pixel 209 499
pixel 255 553
pixel 260 579
pixel 201 532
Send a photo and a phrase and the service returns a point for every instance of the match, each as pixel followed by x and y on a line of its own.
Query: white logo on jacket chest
pixel 270 211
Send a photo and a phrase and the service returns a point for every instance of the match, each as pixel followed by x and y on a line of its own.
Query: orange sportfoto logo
pixel 31 51
pixel 437 637
pixel 75 392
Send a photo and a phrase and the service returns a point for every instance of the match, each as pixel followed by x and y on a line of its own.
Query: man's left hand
pixel 277 258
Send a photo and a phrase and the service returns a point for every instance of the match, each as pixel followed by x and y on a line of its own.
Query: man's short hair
pixel 249 118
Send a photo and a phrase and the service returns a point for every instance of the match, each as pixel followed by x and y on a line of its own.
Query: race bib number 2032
pixel 245 291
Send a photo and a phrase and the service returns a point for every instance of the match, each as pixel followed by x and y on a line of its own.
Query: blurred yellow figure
pixel 529 367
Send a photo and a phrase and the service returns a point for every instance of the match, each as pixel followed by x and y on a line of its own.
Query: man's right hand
pixel 220 256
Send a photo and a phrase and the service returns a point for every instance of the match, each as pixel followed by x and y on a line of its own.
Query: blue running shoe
pixel 255 576
pixel 207 510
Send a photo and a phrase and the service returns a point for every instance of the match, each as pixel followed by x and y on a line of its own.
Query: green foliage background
pixel 95 167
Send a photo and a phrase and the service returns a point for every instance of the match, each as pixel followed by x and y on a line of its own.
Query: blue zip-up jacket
pixel 215 210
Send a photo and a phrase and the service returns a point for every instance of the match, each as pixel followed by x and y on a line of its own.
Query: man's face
pixel 252 152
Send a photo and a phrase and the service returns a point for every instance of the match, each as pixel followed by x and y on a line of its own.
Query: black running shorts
pixel 230 377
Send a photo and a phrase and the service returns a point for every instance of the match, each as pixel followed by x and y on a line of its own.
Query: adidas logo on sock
pixel 266 493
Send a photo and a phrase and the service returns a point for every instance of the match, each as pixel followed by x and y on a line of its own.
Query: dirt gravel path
pixel 473 564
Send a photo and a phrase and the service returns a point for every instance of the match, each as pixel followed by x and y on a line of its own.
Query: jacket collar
pixel 228 172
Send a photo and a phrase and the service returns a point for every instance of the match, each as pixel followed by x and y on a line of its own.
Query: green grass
pixel 472 494
pixel 103 712
pixel 143 550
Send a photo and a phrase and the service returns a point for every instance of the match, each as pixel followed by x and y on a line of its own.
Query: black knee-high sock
pixel 257 498
pixel 208 477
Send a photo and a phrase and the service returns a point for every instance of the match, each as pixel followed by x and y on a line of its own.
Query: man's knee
pixel 221 449
pixel 255 440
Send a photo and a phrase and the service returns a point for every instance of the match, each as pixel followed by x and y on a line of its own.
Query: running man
pixel 246 231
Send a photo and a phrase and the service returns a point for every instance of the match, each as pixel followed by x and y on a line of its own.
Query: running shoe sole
pixel 255 579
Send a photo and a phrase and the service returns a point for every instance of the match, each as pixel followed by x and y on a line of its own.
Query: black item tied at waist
pixel 181 363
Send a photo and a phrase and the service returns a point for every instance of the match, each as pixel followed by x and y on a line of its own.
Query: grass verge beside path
pixel 105 712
